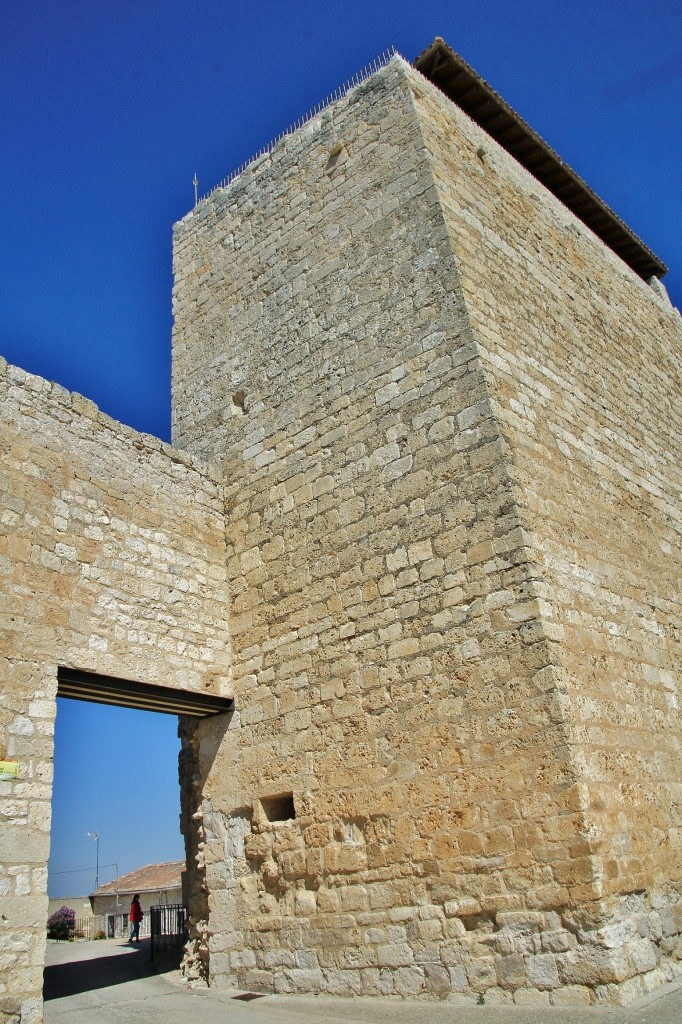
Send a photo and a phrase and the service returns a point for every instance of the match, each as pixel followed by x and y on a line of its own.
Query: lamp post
pixel 95 836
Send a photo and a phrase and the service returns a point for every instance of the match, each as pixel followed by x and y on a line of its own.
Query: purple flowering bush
pixel 62 924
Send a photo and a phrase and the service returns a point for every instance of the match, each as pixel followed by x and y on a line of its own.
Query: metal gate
pixel 168 925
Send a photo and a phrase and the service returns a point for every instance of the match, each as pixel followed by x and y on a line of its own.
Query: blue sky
pixel 106 112
pixel 116 774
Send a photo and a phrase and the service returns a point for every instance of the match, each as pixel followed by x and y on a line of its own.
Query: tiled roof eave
pixel 151 878
pixel 461 84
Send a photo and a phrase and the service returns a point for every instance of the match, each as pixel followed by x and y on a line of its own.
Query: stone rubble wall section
pixel 112 556
pixel 584 362
pixel 398 667
pixel 113 543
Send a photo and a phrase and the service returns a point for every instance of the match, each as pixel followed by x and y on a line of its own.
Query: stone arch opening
pixel 97 689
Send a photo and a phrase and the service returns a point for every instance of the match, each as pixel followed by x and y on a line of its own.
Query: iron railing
pixel 90 927
pixel 168 927
pixel 359 77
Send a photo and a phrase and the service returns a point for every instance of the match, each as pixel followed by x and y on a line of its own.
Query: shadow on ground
pixel 131 963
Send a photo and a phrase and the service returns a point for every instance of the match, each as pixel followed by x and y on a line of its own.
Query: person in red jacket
pixel 135 917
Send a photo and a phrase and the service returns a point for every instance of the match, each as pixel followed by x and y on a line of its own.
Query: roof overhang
pixel 99 689
pixel 475 97
pixel 103 893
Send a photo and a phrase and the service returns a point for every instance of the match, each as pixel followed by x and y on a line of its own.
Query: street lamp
pixel 95 836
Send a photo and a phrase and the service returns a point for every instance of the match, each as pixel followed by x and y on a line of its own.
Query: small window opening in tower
pixel 279 808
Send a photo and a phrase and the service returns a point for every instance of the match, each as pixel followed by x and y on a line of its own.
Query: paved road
pixel 110 983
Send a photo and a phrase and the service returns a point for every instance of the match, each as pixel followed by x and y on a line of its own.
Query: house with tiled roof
pixel 157 884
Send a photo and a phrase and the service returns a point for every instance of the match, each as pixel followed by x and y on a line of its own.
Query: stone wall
pixel 412 717
pixel 112 555
pixel 583 360
pixel 431 461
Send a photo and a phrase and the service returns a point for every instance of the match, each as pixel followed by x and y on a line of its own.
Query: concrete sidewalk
pixel 109 982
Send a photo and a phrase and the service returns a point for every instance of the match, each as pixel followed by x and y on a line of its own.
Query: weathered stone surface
pixel 451 636
pixel 112 552
pixel 431 480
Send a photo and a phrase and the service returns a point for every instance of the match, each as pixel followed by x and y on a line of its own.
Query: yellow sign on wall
pixel 9 770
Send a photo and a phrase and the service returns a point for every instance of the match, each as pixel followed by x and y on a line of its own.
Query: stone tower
pixel 424 530
pixel 443 402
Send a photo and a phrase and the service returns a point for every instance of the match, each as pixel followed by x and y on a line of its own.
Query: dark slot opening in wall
pixel 279 808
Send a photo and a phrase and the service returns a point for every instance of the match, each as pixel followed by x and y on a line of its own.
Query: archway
pixel 124 803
